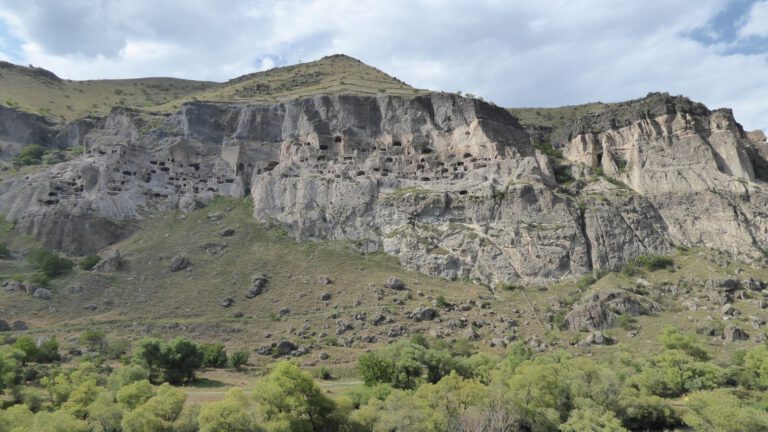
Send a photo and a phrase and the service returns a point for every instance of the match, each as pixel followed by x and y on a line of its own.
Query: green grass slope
pixel 39 91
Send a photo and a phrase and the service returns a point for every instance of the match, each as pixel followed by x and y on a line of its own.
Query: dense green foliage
pixel 50 263
pixel 413 386
pixel 30 155
pixel 4 251
pixel 175 361
pixel 88 261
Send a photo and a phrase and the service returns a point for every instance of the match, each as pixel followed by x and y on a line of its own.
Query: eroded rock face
pixel 685 160
pixel 452 186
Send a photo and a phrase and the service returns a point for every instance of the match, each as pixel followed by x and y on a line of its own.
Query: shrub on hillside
pixel 30 155
pixel 50 263
pixel 87 262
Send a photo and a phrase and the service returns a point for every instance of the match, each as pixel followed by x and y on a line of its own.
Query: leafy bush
pixel 322 373
pixel 176 361
pixel 4 251
pixel 239 359
pixel 548 150
pixel 648 263
pixel 720 410
pixel 87 262
pixel 441 302
pixel 39 279
pixel 50 263
pixel 214 355
pixel 30 155
pixel 94 340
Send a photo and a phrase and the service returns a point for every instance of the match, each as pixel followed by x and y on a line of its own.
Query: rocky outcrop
pixel 686 161
pixel 451 186
pixel 601 310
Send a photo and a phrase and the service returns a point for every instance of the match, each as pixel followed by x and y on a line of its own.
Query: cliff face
pixel 452 186
pixel 697 167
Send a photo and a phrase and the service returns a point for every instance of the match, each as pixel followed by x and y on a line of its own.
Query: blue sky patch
pixel 723 30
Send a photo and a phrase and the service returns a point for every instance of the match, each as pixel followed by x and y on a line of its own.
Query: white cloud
pixel 756 22
pixel 516 53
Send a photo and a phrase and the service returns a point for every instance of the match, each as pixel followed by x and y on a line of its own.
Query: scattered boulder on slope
pixel 600 311
pixel 114 262
pixel 394 283
pixel 179 262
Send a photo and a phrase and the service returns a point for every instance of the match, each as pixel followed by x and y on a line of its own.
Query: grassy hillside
pixel 556 118
pixel 146 298
pixel 337 74
pixel 39 91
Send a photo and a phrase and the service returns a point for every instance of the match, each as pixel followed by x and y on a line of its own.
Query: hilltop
pixel 39 91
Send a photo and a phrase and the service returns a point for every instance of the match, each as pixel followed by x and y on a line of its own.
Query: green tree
pixel 148 354
pixel 593 419
pixel 125 375
pixel 721 411
pixel 673 339
pixel 58 421
pixel 540 392
pixel 80 398
pixel 181 359
pixel 375 369
pixel 239 359
pixel 134 394
pixel 214 355
pixel 158 414
pixel 290 401
pixel 104 413
pixel 672 373
pixel 16 418
pixel 94 340
pixel 756 367
pixel 9 363
pixel 231 414
pixel 50 263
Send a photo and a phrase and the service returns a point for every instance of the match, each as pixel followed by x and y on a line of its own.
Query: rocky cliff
pixel 452 186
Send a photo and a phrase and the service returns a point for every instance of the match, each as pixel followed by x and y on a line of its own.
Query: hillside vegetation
pixel 39 91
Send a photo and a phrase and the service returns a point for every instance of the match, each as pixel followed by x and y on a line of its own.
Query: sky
pixel 513 52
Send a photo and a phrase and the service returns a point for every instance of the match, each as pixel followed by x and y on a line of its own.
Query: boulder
pixel 227 232
pixel 112 263
pixel 4 327
pixel 178 263
pixel 227 302
pixel 497 343
pixel 326 296
pixel 471 334
pixel 213 248
pixel 729 310
pixel 590 316
pixel 601 310
pixel 285 347
pixel 423 314
pixel 188 203
pixel 752 284
pixel 598 338
pixel 732 333
pixel 324 280
pixel 13 286
pixel 19 325
pixel 394 283
pixel 378 319
pixel 43 293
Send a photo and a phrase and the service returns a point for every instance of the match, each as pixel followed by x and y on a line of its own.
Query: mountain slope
pixel 36 90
